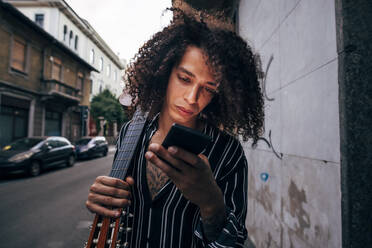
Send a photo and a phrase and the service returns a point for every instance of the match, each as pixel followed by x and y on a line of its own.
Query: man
pixel 205 79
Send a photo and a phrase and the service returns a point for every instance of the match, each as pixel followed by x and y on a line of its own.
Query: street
pixel 49 211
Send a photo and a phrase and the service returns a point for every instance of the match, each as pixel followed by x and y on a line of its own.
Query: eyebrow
pixel 192 75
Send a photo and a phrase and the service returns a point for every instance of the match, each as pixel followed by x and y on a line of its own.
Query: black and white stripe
pixel 170 220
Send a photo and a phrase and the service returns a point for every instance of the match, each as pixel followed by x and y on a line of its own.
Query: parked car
pixel 34 154
pixel 88 147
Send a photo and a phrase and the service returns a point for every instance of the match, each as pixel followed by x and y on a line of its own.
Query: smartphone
pixel 186 138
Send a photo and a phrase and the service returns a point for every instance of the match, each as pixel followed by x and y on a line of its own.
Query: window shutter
pixel 56 70
pixel 18 55
pixel 80 81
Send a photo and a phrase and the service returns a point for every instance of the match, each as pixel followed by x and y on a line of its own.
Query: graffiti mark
pixel 272 148
pixel 264 79
pixel 264 176
pixel 269 143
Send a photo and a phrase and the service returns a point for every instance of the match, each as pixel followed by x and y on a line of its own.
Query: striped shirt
pixel 170 220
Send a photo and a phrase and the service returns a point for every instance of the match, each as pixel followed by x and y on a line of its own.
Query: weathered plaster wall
pixel 294 178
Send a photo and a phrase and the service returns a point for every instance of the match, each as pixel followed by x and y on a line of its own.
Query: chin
pixel 182 120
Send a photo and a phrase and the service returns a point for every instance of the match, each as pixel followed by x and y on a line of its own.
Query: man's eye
pixel 210 91
pixel 185 79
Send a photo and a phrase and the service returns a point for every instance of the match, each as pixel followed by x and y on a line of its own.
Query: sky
pixel 125 25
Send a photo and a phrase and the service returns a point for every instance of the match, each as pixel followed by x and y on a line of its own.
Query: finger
pixel 164 155
pixel 108 201
pixel 204 159
pixel 129 180
pixel 113 182
pixel 109 191
pixel 98 209
pixel 165 167
pixel 188 157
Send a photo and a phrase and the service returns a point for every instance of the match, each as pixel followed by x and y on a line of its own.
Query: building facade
pixel 44 86
pixel 63 23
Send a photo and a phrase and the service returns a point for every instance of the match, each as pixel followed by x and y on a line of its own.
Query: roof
pixel 15 12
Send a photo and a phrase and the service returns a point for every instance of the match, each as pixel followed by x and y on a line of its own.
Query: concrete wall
pixel 294 190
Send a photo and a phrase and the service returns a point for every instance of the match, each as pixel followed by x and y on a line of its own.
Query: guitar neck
pixel 105 230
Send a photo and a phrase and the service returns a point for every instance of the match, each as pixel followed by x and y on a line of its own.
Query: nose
pixel 192 94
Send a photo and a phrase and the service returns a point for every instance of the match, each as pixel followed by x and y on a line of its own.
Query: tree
pixel 106 105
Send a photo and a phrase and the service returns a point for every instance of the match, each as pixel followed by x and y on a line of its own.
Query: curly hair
pixel 238 106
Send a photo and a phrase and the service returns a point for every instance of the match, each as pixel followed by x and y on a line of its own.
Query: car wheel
pixel 70 161
pixel 34 169
pixel 105 153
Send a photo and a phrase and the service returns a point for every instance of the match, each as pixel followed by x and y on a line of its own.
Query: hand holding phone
pixel 186 138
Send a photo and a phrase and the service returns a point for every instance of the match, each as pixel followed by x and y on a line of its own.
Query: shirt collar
pixel 154 122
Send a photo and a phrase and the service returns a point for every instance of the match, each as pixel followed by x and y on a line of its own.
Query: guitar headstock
pixel 109 232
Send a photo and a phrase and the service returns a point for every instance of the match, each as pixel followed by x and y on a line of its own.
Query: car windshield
pixel 23 144
pixel 83 141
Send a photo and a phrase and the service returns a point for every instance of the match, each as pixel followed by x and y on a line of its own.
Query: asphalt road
pixel 49 211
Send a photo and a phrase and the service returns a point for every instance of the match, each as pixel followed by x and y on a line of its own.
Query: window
pixel 53 143
pixel 108 70
pixel 91 86
pixel 53 123
pixel 39 19
pixel 80 82
pixel 91 56
pixel 64 32
pixel 71 37
pixel 13 122
pixel 56 69
pixel 101 64
pixel 76 42
pixel 19 50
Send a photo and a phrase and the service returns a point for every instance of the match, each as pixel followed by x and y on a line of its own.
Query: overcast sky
pixel 124 24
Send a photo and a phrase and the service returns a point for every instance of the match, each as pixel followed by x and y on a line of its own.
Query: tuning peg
pixel 126 245
pixel 95 241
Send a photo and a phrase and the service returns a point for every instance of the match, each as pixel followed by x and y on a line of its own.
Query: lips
pixel 184 111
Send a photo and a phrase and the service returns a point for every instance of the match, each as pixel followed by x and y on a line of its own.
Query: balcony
pixel 61 92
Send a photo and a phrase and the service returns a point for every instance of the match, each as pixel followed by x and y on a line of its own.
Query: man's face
pixel 191 87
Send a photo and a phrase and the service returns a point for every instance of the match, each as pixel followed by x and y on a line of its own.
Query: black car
pixel 34 154
pixel 88 147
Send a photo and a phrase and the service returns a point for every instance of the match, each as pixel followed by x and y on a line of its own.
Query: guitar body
pixel 109 232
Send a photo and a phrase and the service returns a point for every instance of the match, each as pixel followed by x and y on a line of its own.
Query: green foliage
pixel 105 104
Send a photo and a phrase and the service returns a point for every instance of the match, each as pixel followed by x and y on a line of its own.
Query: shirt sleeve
pixel 234 187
